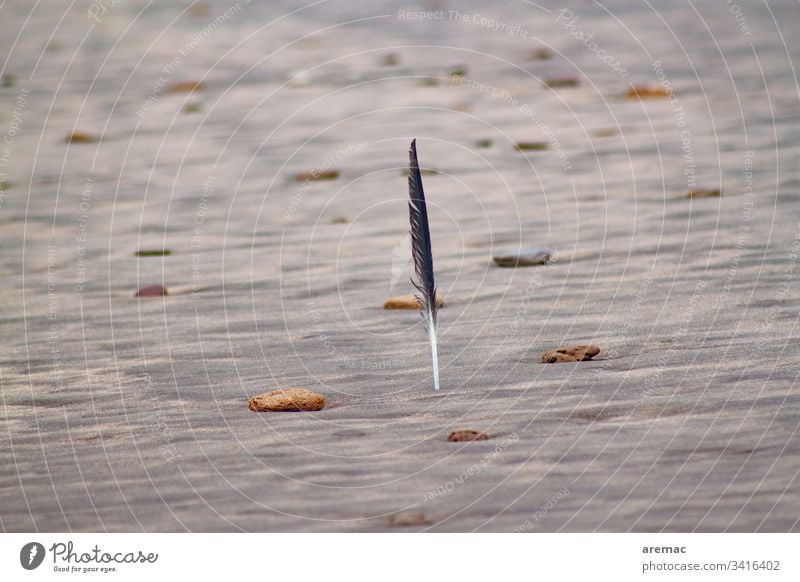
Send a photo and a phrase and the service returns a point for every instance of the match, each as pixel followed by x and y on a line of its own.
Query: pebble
pixel 527 146
pixel 390 60
pixel 704 193
pixel 605 132
pixel 540 54
pixel 287 400
pixel 462 436
pixel 579 353
pixel 407 302
pixel 483 143
pixel 184 87
pixel 407 518
pixel 152 291
pixel 646 92
pixel 556 82
pixel 192 108
pixel 457 70
pixel 526 258
pixel 317 175
pixel 80 137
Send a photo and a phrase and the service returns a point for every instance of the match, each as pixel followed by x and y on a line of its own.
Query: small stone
pixel 407 302
pixel 704 193
pixel 407 518
pixel 462 436
pixel 390 60
pixel 556 82
pixel 184 87
pixel 192 108
pixel 526 146
pixel 287 400
pixel 540 54
pixel 646 92
pixel 483 143
pixel 526 258
pixel 317 175
pixel 457 70
pixel 153 253
pixel 604 132
pixel 579 353
pixel 80 137
pixel 339 220
pixel 198 10
pixel 152 291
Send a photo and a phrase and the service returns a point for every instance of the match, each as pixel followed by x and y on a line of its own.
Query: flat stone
pixel 530 146
pixel 540 54
pixel 525 258
pixel 556 82
pixel 704 193
pixel 407 302
pixel 287 400
pixel 407 519
pixel 462 436
pixel 152 291
pixel 317 175
pixel 80 137
pixel 184 87
pixel 580 353
pixel 646 92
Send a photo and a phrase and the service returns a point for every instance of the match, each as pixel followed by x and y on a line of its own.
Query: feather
pixel 421 251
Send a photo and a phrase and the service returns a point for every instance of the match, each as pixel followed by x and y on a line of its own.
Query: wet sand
pixel 130 414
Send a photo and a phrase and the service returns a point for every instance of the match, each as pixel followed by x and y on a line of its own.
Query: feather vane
pixel 423 258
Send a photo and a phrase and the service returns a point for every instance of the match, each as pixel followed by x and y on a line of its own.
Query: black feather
pixel 421 238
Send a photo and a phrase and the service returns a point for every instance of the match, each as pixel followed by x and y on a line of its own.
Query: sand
pixel 130 414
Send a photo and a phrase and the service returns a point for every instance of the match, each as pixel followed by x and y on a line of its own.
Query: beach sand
pixel 130 414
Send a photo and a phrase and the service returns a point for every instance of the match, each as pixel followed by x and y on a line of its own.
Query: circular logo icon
pixel 31 555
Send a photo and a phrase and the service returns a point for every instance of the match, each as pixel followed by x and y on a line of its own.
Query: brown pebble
pixel 462 436
pixel 339 220
pixel 287 400
pixel 579 353
pixel 407 302
pixel 605 132
pixel 390 60
pixel 703 193
pixel 540 54
pixel 152 291
pixel 80 137
pixel 407 518
pixel 556 82
pixel 184 87
pixel 646 92
pixel 198 10
pixel 525 146
pixel 317 175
